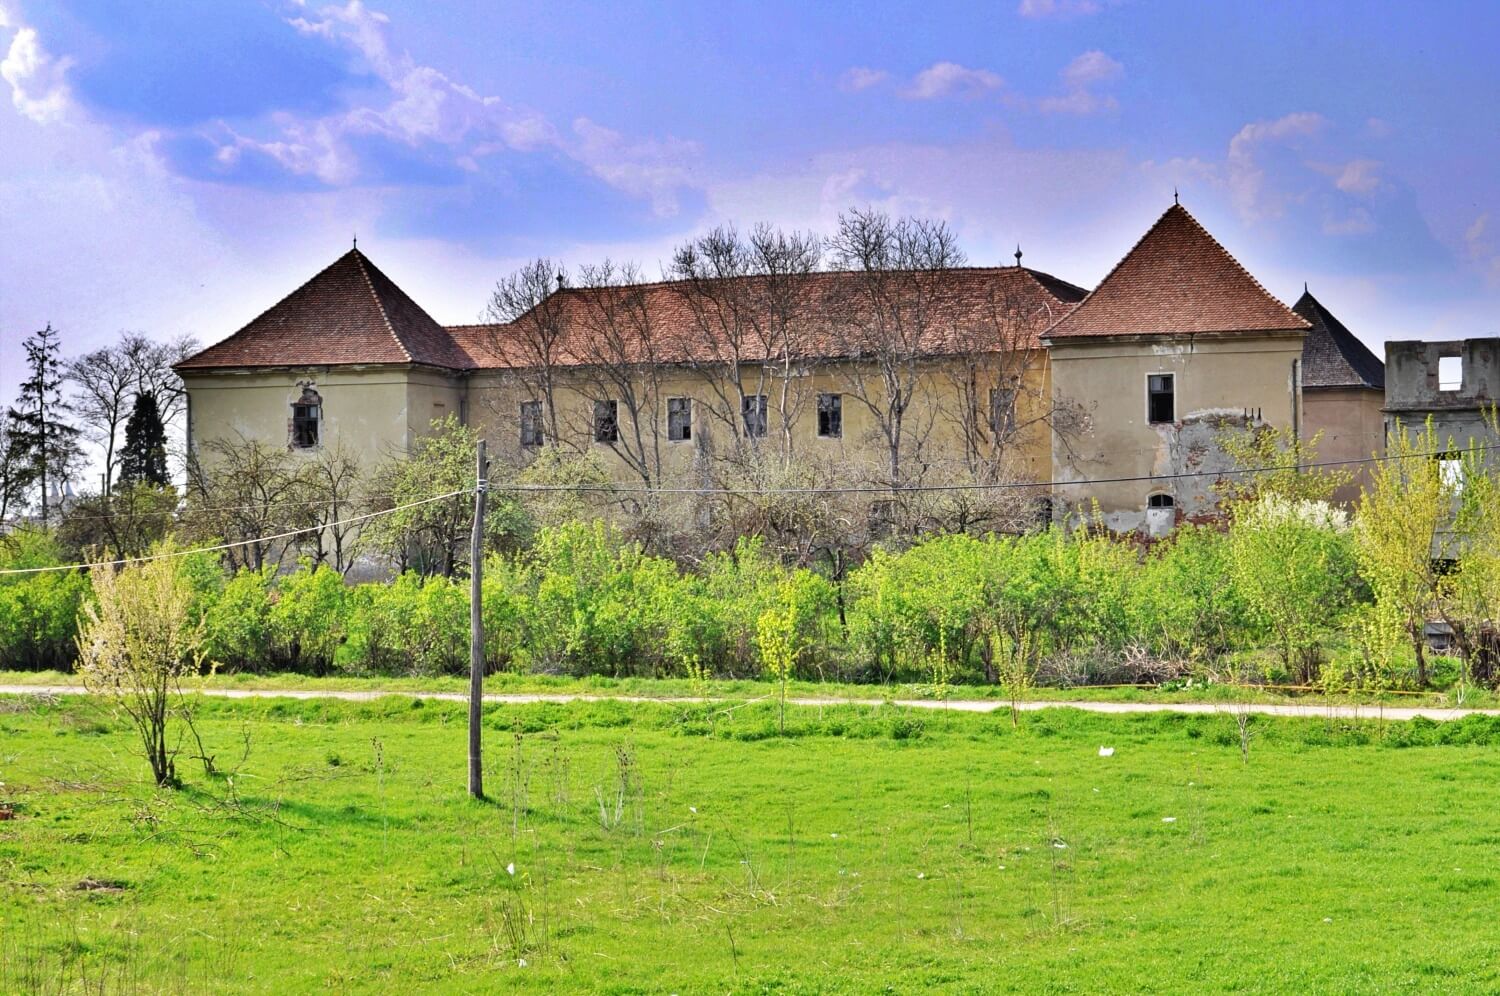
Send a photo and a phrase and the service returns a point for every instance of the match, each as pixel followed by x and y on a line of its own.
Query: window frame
pixel 606 421
pixel 830 411
pixel 1170 393
pixel 533 433
pixel 309 401
pixel 756 404
pixel 681 430
pixel 1160 500
pixel 1009 392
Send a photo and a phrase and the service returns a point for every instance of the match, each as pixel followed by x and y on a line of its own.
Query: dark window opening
pixel 1161 501
pixel 1161 400
pixel 831 416
pixel 307 418
pixel 606 422
pixel 679 419
pixel 753 408
pixel 531 424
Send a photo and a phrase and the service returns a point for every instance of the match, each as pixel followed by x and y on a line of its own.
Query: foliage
pixel 308 619
pixel 143 458
pixel 136 642
pixel 237 623
pixel 124 524
pixel 433 537
pixel 1399 535
pixel 1275 461
pixel 1293 563
pixel 414 625
pixel 38 612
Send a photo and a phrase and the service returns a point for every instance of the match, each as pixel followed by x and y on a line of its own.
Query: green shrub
pixel 308 617
pixel 413 625
pixel 38 612
pixel 237 623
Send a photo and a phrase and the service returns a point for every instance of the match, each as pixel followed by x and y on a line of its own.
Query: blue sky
pixel 175 167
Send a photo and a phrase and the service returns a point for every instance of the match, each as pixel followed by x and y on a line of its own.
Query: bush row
pixel 582 600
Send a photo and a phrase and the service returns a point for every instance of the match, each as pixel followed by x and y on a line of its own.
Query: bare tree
pixel 334 483
pixel 150 362
pixel 749 306
pixel 623 364
pixel 726 341
pixel 528 303
pixel 241 490
pixel 892 312
pixel 104 390
pixel 780 297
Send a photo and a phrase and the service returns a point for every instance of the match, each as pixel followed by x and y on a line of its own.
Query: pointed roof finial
pixel 1174 196
pixel 356 240
pixel 1018 254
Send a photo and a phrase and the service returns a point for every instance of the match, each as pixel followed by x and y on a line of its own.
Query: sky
pixel 177 166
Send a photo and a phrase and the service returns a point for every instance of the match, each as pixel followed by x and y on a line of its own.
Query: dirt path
pixel 954 705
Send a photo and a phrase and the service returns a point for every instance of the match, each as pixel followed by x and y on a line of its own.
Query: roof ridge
pixel 359 259
pixel 1196 230
pixel 1233 259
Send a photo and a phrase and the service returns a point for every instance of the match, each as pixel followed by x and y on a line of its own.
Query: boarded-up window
pixel 606 422
pixel 679 418
pixel 831 416
pixel 1003 411
pixel 531 424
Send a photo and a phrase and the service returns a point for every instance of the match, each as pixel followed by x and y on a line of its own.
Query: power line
pixel 751 492
pixel 230 546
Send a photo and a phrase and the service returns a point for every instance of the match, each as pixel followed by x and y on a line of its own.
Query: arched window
pixel 307 420
pixel 1161 501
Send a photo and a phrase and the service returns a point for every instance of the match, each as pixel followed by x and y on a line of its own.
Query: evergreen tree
pixel 143 460
pixel 42 446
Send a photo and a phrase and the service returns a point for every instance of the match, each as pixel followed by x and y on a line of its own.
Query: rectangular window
pixel 831 416
pixel 1002 411
pixel 1451 470
pixel 679 419
pixel 1450 373
pixel 305 418
pixel 1161 399
pixel 531 423
pixel 606 422
pixel 753 408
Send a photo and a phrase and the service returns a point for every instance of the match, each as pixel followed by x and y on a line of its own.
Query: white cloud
pixel 859 78
pixel 38 81
pixel 1247 177
pixel 1379 128
pixel 1079 78
pixel 427 108
pixel 1058 8
pixel 949 79
pixel 1359 176
pixel 1359 221
pixel 651 169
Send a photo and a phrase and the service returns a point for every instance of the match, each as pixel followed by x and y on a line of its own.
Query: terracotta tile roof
pixel 984 306
pixel 348 313
pixel 1177 280
pixel 1331 355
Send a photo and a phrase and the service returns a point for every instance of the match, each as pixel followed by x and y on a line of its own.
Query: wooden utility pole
pixel 476 624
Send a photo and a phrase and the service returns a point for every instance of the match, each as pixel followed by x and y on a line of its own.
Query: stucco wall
pixel 373 412
pixel 1353 428
pixel 495 399
pixel 1220 381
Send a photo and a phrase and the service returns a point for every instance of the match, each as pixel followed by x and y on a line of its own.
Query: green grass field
pixel 662 848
